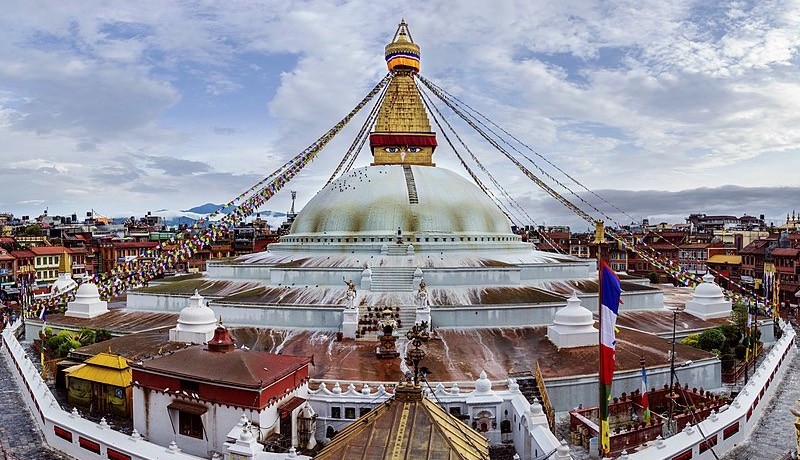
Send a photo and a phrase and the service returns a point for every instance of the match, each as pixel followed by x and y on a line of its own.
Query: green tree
pixel 711 339
pixel 691 340
pixel 31 230
pixel 733 334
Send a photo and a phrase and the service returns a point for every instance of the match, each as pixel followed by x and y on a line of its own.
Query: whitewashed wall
pixel 734 425
pixel 48 414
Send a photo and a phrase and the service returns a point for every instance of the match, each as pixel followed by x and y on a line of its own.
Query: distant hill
pixel 208 208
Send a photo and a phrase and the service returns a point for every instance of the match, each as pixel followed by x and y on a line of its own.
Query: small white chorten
pixel 196 322
pixel 708 300
pixel 87 303
pixel 573 326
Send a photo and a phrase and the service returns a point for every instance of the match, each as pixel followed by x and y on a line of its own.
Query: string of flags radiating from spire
pixel 635 245
pixel 179 248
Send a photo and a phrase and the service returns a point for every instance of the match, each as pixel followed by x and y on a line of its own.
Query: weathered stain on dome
pixel 374 200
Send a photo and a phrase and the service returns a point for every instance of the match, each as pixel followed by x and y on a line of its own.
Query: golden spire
pixel 64 266
pixel 402 52
pixel 402 132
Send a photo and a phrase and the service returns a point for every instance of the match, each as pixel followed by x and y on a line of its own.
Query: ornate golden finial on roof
pixel 402 52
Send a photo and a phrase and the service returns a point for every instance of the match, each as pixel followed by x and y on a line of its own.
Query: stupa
pixel 87 303
pixel 708 301
pixel 405 234
pixel 386 226
pixel 64 282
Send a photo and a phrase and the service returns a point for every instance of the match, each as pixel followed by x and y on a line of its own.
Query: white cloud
pixel 127 102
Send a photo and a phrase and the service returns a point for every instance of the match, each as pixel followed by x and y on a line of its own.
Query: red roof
pixel 49 250
pixel 134 244
pixel 23 254
pixel 251 369
pixel 785 252
pixel 6 240
pixel 755 247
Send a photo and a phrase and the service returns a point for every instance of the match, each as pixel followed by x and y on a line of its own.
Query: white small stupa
pixel 87 303
pixel 708 300
pixel 64 282
pixel 573 326
pixel 196 322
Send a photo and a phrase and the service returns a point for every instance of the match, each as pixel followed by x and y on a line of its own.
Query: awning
pixel 189 408
pixel 290 405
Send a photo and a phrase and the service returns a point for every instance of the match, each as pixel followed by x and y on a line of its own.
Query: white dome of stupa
pixel 573 326
pixel 375 200
pixel 87 290
pixel 87 303
pixel 708 300
pixel 64 283
pixel 196 314
pixel 708 288
pixel 574 314
pixel 196 322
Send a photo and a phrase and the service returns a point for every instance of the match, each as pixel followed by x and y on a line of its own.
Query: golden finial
pixel 402 53
pixel 599 231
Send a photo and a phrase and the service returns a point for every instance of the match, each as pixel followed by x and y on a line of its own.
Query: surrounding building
pixel 196 395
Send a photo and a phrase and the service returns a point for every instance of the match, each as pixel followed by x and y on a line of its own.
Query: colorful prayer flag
pixel 610 291
pixel 645 402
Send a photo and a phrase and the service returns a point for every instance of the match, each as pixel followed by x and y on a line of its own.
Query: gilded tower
pixel 402 132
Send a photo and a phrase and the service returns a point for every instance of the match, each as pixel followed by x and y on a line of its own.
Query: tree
pixel 31 230
pixel 654 278
pixel 740 315
pixel 711 339
pixel 691 340
pixel 733 335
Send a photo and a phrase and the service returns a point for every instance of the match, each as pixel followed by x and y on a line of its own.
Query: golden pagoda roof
pixel 104 368
pixel 402 110
pixel 407 427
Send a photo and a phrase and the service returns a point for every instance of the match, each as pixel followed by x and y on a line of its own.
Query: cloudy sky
pixel 664 108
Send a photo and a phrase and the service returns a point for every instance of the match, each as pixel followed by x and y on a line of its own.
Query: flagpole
pixel 598 239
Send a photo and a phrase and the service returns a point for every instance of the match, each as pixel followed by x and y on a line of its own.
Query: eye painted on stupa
pixel 392 149
pixel 414 149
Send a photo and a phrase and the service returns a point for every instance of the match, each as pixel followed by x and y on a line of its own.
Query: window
pixel 363 411
pixel 455 410
pixel 190 425
pixel 336 412
pixel 350 412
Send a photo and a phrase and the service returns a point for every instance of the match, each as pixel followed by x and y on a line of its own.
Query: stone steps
pixel 393 279
pixel 410 185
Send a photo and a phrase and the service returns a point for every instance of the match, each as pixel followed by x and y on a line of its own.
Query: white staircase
pixel 393 279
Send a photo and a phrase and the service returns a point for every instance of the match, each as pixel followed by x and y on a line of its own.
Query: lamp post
pixel 672 395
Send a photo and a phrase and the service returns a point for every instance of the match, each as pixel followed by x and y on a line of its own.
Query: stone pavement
pixel 20 437
pixel 774 435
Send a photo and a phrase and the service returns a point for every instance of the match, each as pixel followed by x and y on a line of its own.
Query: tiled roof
pixel 785 252
pixel 247 368
pixel 407 426
pixel 49 250
pixel 133 244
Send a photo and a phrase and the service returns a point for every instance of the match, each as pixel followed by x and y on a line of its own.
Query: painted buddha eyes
pixel 397 149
